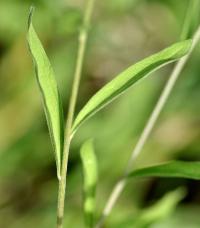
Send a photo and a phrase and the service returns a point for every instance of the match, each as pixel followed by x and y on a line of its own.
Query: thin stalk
pixel 83 36
pixel 119 186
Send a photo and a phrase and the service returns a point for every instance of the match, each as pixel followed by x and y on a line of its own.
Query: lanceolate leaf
pixel 129 77
pixel 90 180
pixel 160 210
pixel 154 214
pixel 181 169
pixel 49 92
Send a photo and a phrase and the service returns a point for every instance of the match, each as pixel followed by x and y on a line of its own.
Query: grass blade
pixel 49 91
pixel 129 77
pixel 191 20
pixel 160 210
pixel 179 169
pixel 90 174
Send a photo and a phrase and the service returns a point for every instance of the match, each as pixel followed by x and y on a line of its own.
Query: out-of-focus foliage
pixel 122 32
pixel 90 176
pixel 156 212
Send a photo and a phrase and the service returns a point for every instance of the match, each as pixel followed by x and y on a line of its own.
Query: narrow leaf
pixel 153 215
pixel 129 77
pixel 180 169
pixel 89 163
pixel 191 19
pixel 161 209
pixel 49 91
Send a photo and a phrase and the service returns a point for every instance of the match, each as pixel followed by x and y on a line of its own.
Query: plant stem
pixel 119 186
pixel 83 36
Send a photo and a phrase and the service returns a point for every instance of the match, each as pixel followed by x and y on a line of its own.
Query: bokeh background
pixel 122 32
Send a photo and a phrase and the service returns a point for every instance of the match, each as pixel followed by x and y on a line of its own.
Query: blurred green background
pixel 122 32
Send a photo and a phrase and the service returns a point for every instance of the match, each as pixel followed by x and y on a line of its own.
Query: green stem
pixel 72 104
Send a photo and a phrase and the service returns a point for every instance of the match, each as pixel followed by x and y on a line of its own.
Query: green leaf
pixel 154 214
pixel 129 77
pixel 191 19
pixel 90 175
pixel 181 169
pixel 161 209
pixel 49 91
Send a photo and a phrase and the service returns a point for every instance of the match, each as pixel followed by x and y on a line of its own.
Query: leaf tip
pixel 31 11
pixel 86 148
